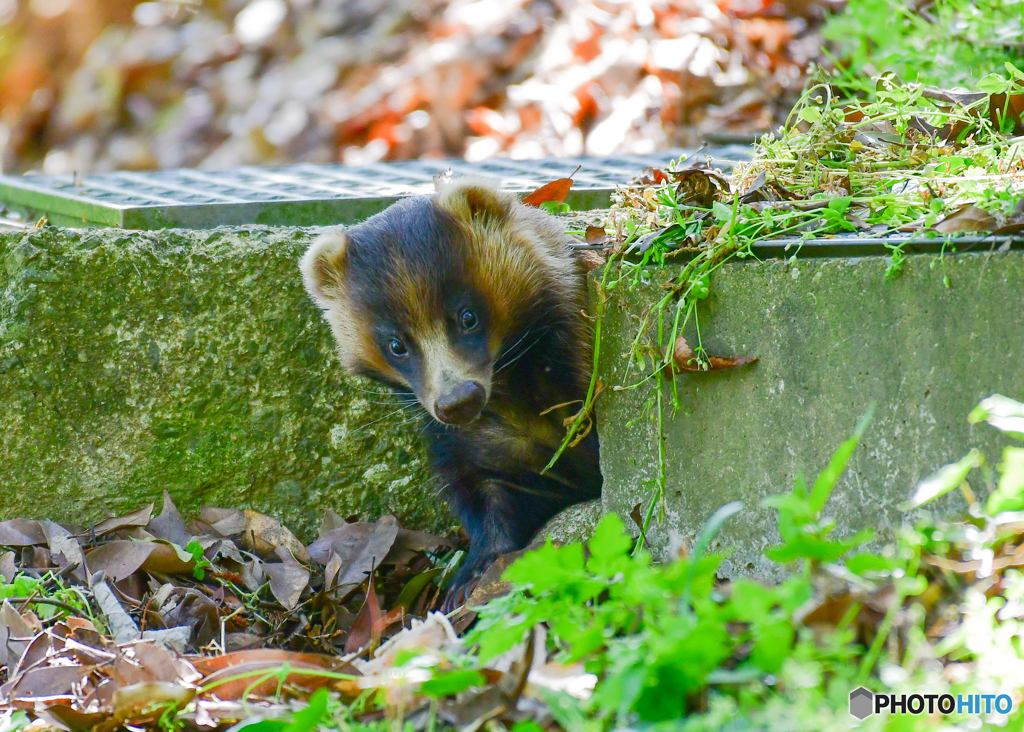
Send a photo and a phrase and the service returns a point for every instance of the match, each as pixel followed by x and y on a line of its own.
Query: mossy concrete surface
pixel 192 361
pixel 832 336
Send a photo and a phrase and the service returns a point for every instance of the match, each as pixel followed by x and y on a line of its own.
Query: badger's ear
pixel 323 266
pixel 475 199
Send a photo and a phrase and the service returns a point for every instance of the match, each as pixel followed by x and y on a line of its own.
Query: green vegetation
pixel 660 646
pixel 937 612
pixel 905 160
pixel 944 43
pixel 47 596
pixel 665 641
pixel 642 645
pixel 886 160
pixel 667 646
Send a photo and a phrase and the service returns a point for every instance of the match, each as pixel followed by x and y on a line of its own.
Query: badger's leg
pixel 501 515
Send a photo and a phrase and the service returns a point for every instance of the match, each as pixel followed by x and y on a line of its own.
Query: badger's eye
pixel 397 348
pixel 468 319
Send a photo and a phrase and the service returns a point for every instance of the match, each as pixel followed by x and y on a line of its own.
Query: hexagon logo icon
pixel 862 703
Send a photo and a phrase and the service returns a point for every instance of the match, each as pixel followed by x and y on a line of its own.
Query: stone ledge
pixel 832 335
pixel 131 362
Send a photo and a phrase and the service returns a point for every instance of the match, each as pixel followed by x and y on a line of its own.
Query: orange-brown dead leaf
pixel 684 359
pixel 253 664
pixel 597 235
pixel 966 218
pixel 556 190
pixel 651 176
pixel 369 618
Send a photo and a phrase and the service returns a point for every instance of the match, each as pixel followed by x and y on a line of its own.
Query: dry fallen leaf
pixel 556 191
pixel 699 187
pixel 408 544
pixel 651 176
pixel 359 546
pixel 168 558
pixel 287 579
pixel 596 235
pixel 367 621
pixel 225 522
pixel 119 559
pixel 21 532
pixel 1014 223
pixel 637 517
pixel 74 677
pixel 8 568
pixel 761 189
pixel 134 519
pixel 217 671
pixel 264 534
pixel 685 360
pixel 169 525
pixel 491 585
pixel 966 218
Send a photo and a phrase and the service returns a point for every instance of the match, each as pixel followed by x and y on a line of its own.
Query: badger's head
pixel 430 294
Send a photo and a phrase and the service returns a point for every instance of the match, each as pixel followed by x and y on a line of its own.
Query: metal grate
pixel 303 194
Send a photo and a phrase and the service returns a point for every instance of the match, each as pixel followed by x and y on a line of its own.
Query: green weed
pixel 669 643
pixel 945 42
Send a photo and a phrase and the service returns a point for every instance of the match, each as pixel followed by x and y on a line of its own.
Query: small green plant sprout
pixel 804 530
pixel 48 595
pixel 195 549
pixel 896 263
pixel 1007 416
pixel 306 719
pixel 555 207
pixel 945 479
pixel 13 721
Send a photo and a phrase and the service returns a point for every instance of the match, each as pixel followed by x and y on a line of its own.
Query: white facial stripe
pixel 442 368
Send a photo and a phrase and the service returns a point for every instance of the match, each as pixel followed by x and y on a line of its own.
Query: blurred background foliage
pixel 97 85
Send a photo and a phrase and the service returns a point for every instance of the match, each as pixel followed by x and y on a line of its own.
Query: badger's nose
pixel 462 404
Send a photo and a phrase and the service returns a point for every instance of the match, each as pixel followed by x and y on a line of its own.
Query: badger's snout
pixel 461 404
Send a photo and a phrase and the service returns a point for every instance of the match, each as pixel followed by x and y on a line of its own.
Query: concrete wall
pixel 131 362
pixel 832 335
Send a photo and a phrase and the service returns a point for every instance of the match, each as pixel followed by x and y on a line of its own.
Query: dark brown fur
pixel 484 301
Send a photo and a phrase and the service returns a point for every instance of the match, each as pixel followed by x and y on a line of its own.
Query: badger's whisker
pixel 511 348
pixel 523 352
pixel 389 415
pixel 370 390
pixel 391 401
pixel 541 317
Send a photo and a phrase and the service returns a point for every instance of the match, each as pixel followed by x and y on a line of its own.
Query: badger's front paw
pixel 458 595
pixel 466 580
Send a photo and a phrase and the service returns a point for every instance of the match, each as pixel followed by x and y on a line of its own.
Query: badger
pixel 471 304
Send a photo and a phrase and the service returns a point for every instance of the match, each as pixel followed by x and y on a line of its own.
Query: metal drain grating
pixel 301 195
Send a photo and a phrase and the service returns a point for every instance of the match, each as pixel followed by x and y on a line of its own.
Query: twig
pixel 56 603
